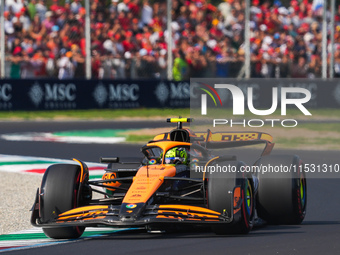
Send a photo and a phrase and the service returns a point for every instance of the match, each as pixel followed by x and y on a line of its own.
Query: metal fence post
pixel 2 39
pixel 247 40
pixel 331 61
pixel 324 40
pixel 88 70
pixel 169 20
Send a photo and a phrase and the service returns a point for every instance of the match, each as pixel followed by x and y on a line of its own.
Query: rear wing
pixel 220 140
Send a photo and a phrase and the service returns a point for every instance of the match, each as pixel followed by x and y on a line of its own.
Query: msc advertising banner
pixel 104 94
pixel 88 94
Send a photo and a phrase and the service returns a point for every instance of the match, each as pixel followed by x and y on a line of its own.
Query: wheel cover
pixel 302 191
pixel 249 198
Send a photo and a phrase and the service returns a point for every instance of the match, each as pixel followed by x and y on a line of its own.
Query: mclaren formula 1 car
pixel 163 189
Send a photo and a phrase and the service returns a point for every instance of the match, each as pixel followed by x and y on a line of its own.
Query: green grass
pixel 329 143
pixel 329 139
pixel 95 114
pixel 108 114
pixel 322 127
pixel 139 138
pixel 330 113
pixel 94 132
pixel 109 133
pixel 280 142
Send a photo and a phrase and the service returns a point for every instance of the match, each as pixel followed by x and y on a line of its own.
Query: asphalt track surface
pixel 318 234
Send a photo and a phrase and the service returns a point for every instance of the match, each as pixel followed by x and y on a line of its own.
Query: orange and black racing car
pixel 180 180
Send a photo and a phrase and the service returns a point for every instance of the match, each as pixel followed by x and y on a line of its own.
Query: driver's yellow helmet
pixel 176 155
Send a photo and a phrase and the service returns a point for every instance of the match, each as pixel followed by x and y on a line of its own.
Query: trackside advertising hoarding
pixel 92 94
pixel 115 94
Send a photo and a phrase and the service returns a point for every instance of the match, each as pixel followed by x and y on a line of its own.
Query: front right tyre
pixel 232 194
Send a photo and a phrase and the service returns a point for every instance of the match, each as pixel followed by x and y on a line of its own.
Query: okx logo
pixel 204 97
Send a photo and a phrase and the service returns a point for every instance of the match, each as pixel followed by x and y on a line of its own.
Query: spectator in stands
pixel 75 6
pixel 314 67
pixel 8 24
pixel 337 62
pixel 162 63
pixel 36 29
pixel 223 61
pixel 27 64
pixel 147 14
pixel 14 6
pixel 66 67
pixel 51 69
pixel 180 69
pixel 123 6
pixel 31 7
pixel 284 67
pixel 78 62
pixel 130 66
pixel 39 63
pixel 48 22
pixel 15 70
pixel 107 69
pixel 300 68
pixel 119 67
pixel 208 40
pixel 114 7
pixel 41 9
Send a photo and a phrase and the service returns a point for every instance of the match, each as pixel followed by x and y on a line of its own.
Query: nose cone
pixel 130 212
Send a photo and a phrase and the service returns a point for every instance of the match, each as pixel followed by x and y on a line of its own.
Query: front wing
pixel 109 215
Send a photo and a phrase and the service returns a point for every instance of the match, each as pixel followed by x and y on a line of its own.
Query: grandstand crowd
pixel 129 39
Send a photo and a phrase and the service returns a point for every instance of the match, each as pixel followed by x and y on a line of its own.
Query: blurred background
pixel 129 39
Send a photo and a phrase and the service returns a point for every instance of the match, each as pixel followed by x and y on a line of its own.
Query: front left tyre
pixel 59 193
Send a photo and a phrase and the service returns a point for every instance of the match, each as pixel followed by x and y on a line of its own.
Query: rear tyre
pixel 225 193
pixel 59 188
pixel 282 196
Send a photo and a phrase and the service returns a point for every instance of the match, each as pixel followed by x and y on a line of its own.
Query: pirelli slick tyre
pixel 282 192
pixel 59 189
pixel 232 194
